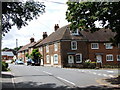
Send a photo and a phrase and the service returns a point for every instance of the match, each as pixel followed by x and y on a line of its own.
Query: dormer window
pixel 75 32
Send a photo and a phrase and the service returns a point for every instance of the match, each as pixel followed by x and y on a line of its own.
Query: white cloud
pixel 55 14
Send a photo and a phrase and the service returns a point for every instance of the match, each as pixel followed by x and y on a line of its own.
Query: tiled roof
pixel 64 34
pixel 26 46
pixel 8 53
pixel 100 35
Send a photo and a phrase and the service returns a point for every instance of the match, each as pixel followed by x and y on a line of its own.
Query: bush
pixel 90 65
pixel 4 66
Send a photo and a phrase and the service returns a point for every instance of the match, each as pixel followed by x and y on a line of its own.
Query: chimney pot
pixel 56 27
pixel 44 35
pixel 31 40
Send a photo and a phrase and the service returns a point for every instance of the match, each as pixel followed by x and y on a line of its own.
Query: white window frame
pixel 94 47
pixel 47 59
pixel 118 57
pixel 80 61
pixel 41 49
pixel 109 55
pixel 69 61
pixel 55 46
pixel 108 46
pixel 55 61
pixel 72 45
pixel 76 32
pixel 47 48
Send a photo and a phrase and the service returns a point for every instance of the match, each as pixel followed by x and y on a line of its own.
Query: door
pixel 41 62
pixel 99 59
pixel 70 59
pixel 52 60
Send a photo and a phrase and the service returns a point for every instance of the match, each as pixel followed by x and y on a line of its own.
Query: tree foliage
pixel 83 15
pixel 18 14
pixel 35 55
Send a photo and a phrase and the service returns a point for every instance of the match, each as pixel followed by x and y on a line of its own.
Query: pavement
pixel 8 81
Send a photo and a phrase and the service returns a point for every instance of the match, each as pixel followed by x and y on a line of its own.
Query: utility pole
pixel 16 43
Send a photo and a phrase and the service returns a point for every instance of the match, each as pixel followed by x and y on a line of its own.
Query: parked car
pixel 19 62
pixel 30 62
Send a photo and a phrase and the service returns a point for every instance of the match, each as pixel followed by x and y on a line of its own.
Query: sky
pixel 54 14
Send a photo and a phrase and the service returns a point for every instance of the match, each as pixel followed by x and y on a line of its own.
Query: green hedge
pixel 4 66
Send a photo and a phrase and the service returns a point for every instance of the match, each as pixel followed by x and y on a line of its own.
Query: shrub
pixel 4 66
pixel 92 65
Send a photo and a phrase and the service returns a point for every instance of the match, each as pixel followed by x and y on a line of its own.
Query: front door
pixel 41 63
pixel 99 59
pixel 70 59
pixel 52 60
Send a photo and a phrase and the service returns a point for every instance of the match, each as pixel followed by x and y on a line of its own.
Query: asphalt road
pixel 60 78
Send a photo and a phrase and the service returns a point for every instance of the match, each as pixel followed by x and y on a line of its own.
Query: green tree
pixel 5 49
pixel 83 15
pixel 35 55
pixel 18 14
pixel 18 48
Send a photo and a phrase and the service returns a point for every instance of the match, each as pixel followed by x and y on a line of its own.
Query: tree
pixel 18 48
pixel 84 15
pixel 18 14
pixel 4 49
pixel 35 55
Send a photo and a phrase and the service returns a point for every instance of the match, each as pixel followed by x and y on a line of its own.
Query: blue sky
pixel 55 14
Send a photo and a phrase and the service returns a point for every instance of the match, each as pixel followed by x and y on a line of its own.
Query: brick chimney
pixel 31 40
pixel 44 35
pixel 56 27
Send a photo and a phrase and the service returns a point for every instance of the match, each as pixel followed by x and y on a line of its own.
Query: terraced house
pixel 26 49
pixel 65 47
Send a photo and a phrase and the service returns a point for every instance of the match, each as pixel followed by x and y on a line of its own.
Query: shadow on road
pixel 48 86
pixel 53 86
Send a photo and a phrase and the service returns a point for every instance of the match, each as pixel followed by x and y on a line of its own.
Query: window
pixel 47 48
pixel 75 32
pixel 70 59
pixel 78 58
pixel 55 59
pixel 109 57
pixel 41 49
pixel 74 45
pixel 118 45
pixel 118 57
pixel 109 46
pixel 55 46
pixel 47 59
pixel 94 46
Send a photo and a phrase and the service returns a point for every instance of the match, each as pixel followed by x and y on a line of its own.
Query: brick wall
pixel 66 47
pixel 51 54
pixel 102 49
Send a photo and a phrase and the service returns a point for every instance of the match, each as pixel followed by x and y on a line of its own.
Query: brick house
pixel 7 55
pixel 64 47
pixel 21 54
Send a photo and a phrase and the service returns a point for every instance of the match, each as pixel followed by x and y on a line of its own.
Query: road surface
pixel 59 78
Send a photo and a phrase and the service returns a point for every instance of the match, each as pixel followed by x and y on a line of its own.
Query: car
pixel 30 62
pixel 19 62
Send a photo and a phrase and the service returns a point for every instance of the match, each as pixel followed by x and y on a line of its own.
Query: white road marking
pixel 94 73
pixel 111 76
pixel 110 71
pixel 99 74
pixel 105 75
pixel 13 80
pixel 47 72
pixel 66 81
